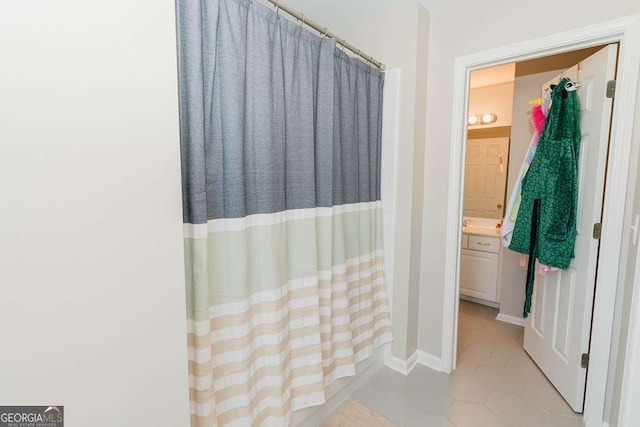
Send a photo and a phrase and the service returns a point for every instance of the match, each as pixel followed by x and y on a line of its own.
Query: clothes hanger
pixel 569 87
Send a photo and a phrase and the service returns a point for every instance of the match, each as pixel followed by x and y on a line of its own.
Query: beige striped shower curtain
pixel 280 141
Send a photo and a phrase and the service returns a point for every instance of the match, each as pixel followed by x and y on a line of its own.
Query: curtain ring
pixel 325 32
pixel 278 8
pixel 301 20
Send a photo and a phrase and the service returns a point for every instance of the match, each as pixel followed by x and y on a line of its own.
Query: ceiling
pixel 493 75
pixel 554 62
pixel 508 72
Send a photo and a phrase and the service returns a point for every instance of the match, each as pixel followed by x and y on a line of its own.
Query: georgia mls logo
pixel 32 416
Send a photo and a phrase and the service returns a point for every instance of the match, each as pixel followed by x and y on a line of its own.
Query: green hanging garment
pixel 545 227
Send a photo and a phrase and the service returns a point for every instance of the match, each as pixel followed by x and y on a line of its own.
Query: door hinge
pixel 611 88
pixel 597 230
pixel 584 360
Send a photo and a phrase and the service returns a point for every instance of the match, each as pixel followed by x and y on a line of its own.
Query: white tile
pixel 554 420
pixel 521 360
pixel 485 353
pixel 526 368
pixel 468 360
pixel 497 336
pixel 473 335
pixel 515 410
pixel 501 379
pixel 478 310
pixel 467 388
pixel 505 331
pixel 462 344
pixel 547 398
pixel 429 396
pixel 468 321
pixel 387 379
pixel 467 414
pixel 427 419
pixel 422 373
pixel 386 402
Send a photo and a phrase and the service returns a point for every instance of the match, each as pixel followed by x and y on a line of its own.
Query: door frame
pixel 630 390
pixel 625 31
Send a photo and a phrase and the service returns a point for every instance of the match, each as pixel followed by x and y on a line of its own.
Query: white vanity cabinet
pixel 479 267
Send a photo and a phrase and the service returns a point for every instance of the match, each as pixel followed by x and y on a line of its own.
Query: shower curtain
pixel 280 145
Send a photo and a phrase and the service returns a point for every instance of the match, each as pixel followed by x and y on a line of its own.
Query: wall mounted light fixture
pixel 482 119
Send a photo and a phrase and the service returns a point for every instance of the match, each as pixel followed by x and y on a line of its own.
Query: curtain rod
pixel 325 32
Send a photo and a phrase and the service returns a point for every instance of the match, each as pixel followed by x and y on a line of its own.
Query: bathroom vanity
pixel 479 261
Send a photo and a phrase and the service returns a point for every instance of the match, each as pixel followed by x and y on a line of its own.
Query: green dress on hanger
pixel 545 227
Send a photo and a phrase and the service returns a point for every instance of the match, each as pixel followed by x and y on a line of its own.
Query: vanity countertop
pixel 481 227
pixel 481 231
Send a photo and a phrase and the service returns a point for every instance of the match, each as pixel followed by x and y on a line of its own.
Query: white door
pixel 486 177
pixel 557 330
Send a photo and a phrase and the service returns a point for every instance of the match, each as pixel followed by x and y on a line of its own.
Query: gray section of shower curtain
pixel 272 117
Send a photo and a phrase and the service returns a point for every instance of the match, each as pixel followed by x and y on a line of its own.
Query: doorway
pixel 557 331
pixel 622 125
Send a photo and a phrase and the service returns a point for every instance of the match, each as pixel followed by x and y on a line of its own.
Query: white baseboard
pixel 518 321
pixel 399 365
pixel 412 361
pixel 396 364
pixel 418 357
pixel 430 361
pixel 480 301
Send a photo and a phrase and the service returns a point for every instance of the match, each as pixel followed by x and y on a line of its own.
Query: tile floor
pixel 495 385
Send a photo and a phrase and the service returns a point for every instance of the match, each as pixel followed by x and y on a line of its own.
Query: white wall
pixel 92 306
pixel 496 99
pixel 389 32
pixel 459 28
pixel 413 312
